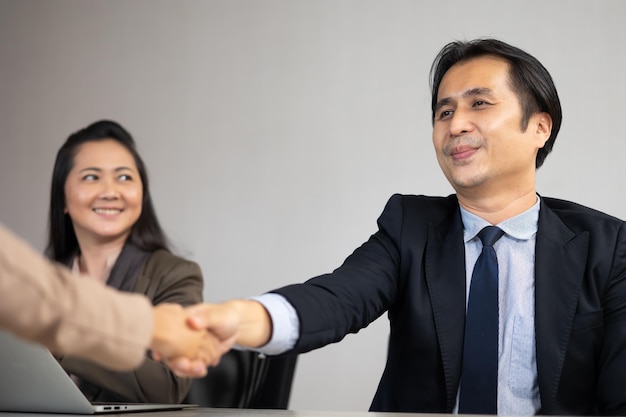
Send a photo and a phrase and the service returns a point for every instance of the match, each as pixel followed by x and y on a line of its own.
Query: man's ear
pixel 542 122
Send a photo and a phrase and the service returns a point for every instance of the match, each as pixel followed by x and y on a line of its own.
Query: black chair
pixel 246 380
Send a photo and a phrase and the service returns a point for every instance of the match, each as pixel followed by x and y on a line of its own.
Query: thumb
pixel 201 316
pixel 196 323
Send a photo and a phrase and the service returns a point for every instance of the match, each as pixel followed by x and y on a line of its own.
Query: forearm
pixel 44 303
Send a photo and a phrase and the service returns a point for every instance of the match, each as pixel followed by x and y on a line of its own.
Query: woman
pixel 102 223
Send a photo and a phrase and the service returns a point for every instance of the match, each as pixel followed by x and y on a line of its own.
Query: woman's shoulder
pixel 171 278
pixel 162 259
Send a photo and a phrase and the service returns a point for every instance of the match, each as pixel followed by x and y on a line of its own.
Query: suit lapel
pixel 560 259
pixel 445 277
pixel 124 274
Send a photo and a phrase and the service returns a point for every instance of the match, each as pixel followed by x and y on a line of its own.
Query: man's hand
pixel 192 350
pixel 244 322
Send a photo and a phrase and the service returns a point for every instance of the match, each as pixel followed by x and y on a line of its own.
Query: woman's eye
pixel 125 177
pixel 90 177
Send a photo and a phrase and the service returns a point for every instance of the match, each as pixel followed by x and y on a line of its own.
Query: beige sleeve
pixel 43 302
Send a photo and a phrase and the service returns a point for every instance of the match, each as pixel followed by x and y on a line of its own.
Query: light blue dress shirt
pixel 518 390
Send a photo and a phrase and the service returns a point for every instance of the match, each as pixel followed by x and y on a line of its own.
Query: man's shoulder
pixel 418 211
pixel 566 208
pixel 580 217
pixel 424 205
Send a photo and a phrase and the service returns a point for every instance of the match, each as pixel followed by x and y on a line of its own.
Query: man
pixel 560 268
pixel 42 302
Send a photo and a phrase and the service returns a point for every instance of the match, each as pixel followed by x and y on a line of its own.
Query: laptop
pixel 31 380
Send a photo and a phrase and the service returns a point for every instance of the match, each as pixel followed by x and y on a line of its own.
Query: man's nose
pixel 460 123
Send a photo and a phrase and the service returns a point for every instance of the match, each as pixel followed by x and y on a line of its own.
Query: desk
pixel 231 412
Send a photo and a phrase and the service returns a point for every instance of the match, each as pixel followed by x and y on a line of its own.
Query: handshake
pixel 189 340
pixel 57 310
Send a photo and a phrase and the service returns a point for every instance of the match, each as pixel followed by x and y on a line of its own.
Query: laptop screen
pixel 31 380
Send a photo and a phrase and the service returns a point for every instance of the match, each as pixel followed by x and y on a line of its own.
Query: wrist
pixel 255 328
pixel 157 336
pixel 165 317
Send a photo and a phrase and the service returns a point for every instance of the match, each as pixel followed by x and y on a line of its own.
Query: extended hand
pixel 176 342
pixel 244 322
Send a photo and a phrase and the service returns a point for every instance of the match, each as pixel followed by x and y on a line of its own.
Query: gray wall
pixel 275 131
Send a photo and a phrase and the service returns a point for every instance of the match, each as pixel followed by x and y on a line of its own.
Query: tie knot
pixel 490 235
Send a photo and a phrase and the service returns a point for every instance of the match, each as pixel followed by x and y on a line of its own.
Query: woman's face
pixel 103 192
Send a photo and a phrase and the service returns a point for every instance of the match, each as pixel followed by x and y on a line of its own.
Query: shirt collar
pixel 521 227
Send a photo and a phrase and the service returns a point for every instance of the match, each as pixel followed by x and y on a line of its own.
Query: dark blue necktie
pixel 479 374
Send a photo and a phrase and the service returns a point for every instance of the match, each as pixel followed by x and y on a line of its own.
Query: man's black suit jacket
pixel 414 268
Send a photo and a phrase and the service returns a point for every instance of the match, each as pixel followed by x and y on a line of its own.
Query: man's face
pixel 477 131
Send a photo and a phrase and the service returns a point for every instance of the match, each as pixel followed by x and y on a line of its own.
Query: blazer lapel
pixel 560 259
pixel 124 274
pixel 445 277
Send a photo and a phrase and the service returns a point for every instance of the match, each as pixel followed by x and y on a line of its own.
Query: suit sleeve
pixel 355 294
pixel 43 302
pixel 173 280
pixel 612 366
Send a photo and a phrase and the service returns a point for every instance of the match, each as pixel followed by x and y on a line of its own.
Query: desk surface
pixel 229 412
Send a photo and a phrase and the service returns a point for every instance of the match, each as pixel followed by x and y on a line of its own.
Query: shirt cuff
pixel 285 324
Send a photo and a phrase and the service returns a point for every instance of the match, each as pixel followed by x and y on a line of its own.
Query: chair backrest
pixel 275 388
pixel 246 380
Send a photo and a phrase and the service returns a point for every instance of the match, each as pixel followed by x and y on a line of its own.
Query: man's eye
pixel 479 103
pixel 445 114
